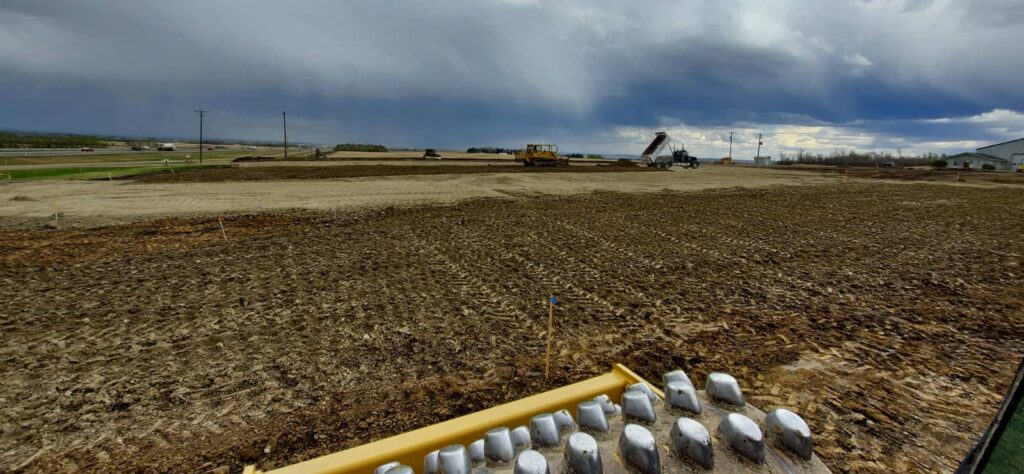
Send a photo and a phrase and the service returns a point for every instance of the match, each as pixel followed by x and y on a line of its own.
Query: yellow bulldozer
pixel 540 155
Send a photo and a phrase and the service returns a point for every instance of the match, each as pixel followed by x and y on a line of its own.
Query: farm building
pixel 1002 156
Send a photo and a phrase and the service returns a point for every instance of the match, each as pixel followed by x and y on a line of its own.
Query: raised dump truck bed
pixel 652 154
pixel 659 139
pixel 581 428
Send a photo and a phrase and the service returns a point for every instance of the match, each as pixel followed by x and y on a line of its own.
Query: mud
pixel 209 175
pixel 889 316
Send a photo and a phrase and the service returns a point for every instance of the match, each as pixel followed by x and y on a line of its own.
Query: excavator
pixel 540 155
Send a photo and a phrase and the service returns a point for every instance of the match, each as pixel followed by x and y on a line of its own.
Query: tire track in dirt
pixel 839 304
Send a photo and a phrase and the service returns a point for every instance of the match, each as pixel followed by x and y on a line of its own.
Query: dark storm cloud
pixel 461 72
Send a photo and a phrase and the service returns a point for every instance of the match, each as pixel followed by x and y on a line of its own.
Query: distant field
pixel 216 173
pixel 94 172
pixel 219 155
pixel 415 154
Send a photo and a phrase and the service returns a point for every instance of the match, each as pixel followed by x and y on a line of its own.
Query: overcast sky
pixel 591 76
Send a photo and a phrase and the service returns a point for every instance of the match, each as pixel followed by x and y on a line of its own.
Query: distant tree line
pixel 853 158
pixel 591 156
pixel 49 140
pixel 359 147
pixel 488 149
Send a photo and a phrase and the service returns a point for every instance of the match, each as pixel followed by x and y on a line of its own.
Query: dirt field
pixel 92 203
pixel 416 154
pixel 928 175
pixel 269 173
pixel 889 316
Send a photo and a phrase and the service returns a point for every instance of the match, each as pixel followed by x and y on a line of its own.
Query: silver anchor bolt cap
pixel 591 416
pixel 530 462
pixel 642 387
pixel 638 449
pixel 743 435
pixel 476 452
pixel 682 395
pixel 723 387
pixel 581 454
pixel 498 445
pixel 606 404
pixel 676 376
pixel 564 420
pixel 384 467
pixel 635 404
pixel 400 469
pixel 430 463
pixel 521 438
pixel 791 430
pixel 544 431
pixel 691 439
pixel 453 460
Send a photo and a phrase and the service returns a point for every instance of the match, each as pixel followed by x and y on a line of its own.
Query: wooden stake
pixel 220 219
pixel 551 318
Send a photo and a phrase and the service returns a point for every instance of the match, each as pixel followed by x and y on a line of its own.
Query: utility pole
pixel 284 118
pixel 202 113
pixel 730 144
pixel 760 141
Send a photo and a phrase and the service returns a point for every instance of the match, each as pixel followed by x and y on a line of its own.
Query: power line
pixel 760 141
pixel 730 144
pixel 202 113
pixel 284 119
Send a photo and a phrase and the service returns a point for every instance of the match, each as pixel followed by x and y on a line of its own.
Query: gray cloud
pixel 505 69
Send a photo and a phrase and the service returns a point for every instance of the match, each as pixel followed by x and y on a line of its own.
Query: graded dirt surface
pixel 413 154
pixel 888 316
pixel 271 173
pixel 918 174
pixel 91 203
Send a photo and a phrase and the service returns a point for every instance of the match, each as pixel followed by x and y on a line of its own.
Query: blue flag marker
pixel 553 300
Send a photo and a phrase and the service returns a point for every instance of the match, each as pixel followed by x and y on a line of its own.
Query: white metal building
pixel 1003 156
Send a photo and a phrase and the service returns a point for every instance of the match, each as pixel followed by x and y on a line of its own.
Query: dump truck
pixel 683 158
pixel 616 423
pixel 540 155
pixel 652 156
pixel 431 154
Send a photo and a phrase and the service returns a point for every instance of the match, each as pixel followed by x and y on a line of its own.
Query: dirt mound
pixel 624 163
pixel 249 159
pixel 157 346
pixel 207 175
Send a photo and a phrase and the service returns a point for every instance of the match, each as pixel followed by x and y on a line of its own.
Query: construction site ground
pixel 888 315
pixel 922 173
pixel 272 173
pixel 98 203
